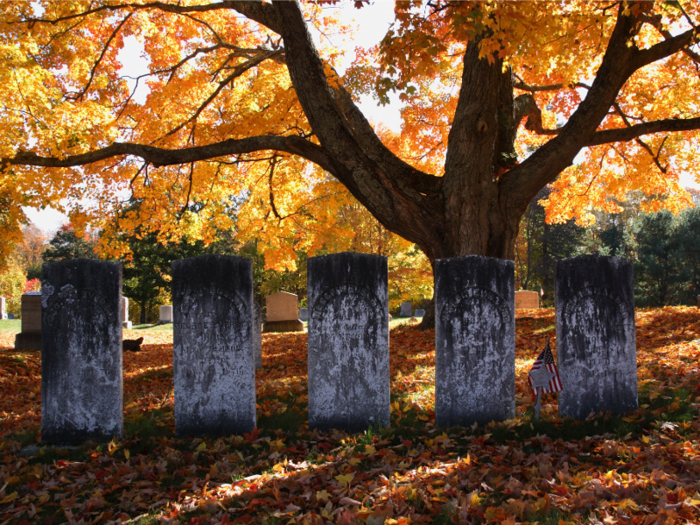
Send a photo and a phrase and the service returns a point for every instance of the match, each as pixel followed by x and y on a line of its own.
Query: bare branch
pixel 83 91
pixel 237 72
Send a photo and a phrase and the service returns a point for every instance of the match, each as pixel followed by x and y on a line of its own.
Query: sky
pixel 373 21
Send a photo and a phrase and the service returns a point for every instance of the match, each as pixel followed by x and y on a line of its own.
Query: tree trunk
pixel 143 312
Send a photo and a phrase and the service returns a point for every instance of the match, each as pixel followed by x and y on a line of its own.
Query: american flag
pixel 547 358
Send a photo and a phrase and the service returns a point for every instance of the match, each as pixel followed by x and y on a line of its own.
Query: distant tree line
pixel 665 249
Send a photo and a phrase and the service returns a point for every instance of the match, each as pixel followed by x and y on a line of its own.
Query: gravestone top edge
pixel 31 293
pixel 282 293
pixel 354 254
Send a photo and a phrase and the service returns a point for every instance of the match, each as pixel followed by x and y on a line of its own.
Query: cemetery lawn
pixel 640 468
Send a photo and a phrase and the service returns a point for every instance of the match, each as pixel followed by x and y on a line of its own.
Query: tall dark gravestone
pixel 348 299
pixel 474 340
pixel 596 344
pixel 213 361
pixel 81 353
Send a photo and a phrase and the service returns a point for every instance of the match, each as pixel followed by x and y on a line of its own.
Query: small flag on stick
pixel 544 377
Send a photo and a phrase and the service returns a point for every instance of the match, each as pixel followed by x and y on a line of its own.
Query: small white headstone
pixel 166 314
pixel 3 315
pixel 124 313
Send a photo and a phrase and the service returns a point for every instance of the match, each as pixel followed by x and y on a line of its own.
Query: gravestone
pixel 596 343
pixel 81 356
pixel 303 314
pixel 474 340
pixel 165 314
pixel 124 313
pixel 10 315
pixel 257 336
pixel 213 362
pixel 3 315
pixel 420 312
pixel 282 312
pixel 405 310
pixel 348 341
pixel 526 299
pixel 30 337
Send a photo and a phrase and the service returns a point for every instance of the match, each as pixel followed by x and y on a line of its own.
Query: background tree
pixel 239 104
pixel 540 244
pixel 69 244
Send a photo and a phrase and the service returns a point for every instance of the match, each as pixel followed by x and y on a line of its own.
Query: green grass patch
pixel 11 325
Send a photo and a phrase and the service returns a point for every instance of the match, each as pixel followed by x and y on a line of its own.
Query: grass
pixel 11 325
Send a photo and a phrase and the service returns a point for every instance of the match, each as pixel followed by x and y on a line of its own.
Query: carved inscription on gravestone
pixel 348 341
pixel 475 340
pixel 596 335
pixel 81 358
pixel 213 361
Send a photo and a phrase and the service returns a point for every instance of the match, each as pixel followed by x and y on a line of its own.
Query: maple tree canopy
pixel 248 120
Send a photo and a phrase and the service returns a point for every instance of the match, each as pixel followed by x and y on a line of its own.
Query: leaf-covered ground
pixel 643 468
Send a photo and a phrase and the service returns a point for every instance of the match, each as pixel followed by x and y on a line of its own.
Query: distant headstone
pixel 81 356
pixel 348 341
pixel 165 314
pixel 124 313
pixel 30 337
pixel 303 314
pixel 526 299
pixel 596 343
pixel 257 336
pixel 213 362
pixel 474 340
pixel 390 317
pixel 10 315
pixel 3 315
pixel 405 310
pixel 282 313
pixel 420 312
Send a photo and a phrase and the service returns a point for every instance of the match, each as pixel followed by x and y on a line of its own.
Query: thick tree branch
pixel 167 157
pixel 619 62
pixel 655 21
pixel 664 49
pixel 526 106
pixel 608 136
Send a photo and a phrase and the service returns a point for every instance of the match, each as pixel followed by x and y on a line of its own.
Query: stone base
pixel 28 341
pixel 283 326
pixel 127 324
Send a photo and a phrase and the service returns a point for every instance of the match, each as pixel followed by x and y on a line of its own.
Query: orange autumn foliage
pixel 218 76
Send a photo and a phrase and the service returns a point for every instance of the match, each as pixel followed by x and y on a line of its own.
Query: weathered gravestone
pixel 213 362
pixel 282 313
pixel 257 335
pixel 10 315
pixel 124 313
pixel 81 356
pixel 420 312
pixel 30 337
pixel 348 341
pixel 405 310
pixel 474 340
pixel 596 343
pixel 165 314
pixel 3 315
pixel 526 299
pixel 303 314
